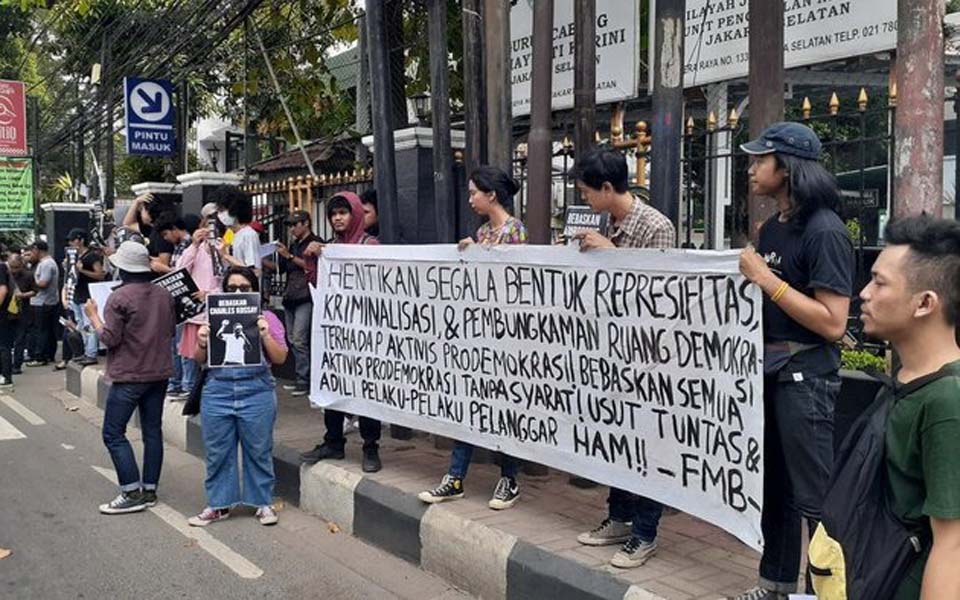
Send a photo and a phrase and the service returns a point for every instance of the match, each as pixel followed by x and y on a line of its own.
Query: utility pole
pixel 496 32
pixel 384 157
pixel 766 81
pixel 668 109
pixel 107 86
pixel 444 194
pixel 245 125
pixel 584 76
pixel 540 141
pixel 473 85
pixel 362 123
pixel 918 156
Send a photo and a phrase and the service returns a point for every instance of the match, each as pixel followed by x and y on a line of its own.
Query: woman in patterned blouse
pixel 491 196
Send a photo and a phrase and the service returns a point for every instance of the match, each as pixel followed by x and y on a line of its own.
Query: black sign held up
pixel 182 287
pixel 582 218
pixel 234 336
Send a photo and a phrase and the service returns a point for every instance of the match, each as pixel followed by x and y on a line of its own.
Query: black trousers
pixel 7 335
pixel 44 347
pixel 369 430
pixel 21 338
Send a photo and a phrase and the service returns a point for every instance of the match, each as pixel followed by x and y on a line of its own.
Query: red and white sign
pixel 13 119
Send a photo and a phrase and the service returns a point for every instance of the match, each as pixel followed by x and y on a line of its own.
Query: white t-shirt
pixel 234 353
pixel 246 247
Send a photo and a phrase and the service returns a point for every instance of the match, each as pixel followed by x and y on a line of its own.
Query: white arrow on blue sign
pixel 148 117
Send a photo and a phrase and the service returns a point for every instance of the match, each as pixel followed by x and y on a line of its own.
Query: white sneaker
pixel 608 533
pixel 634 553
pixel 267 516
pixel 209 515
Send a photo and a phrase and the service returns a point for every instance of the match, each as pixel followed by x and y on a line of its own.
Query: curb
pixel 479 559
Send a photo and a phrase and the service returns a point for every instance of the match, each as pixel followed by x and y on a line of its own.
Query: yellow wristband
pixel 780 292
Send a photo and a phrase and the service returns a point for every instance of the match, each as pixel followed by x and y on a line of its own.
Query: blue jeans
pixel 122 400
pixel 643 512
pixel 184 369
pixel 799 425
pixel 239 405
pixel 463 452
pixel 90 342
pixel 297 323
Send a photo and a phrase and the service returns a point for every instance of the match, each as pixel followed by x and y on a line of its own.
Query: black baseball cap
pixel 297 216
pixel 78 234
pixel 785 138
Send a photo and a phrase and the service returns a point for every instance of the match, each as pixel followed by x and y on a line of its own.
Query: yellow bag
pixel 13 308
pixel 827 570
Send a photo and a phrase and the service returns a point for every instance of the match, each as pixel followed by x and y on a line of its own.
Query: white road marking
pixel 220 551
pixel 28 415
pixel 8 431
pixel 67 446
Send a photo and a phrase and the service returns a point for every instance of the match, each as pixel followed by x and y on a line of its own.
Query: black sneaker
pixel 759 593
pixel 322 452
pixel 150 497
pixel 505 495
pixel 371 461
pixel 126 502
pixel 300 390
pixel 450 488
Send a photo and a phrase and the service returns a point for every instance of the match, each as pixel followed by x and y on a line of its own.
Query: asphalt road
pixel 54 473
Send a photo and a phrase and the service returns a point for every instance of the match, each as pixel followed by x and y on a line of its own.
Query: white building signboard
pixel 815 31
pixel 618 39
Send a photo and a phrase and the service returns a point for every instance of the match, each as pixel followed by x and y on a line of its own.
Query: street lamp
pixel 421 106
pixel 214 154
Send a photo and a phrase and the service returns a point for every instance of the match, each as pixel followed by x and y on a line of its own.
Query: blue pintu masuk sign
pixel 148 116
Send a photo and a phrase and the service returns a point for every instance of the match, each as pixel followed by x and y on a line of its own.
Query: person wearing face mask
pixel 235 211
pixel 345 214
pixel 491 196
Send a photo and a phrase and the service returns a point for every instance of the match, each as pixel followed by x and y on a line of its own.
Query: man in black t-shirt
pixel 88 269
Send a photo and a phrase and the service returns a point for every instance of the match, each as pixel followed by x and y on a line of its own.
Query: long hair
pixel 491 179
pixel 810 187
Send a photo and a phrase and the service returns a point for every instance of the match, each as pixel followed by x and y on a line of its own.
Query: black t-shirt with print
pixel 156 245
pixel 818 256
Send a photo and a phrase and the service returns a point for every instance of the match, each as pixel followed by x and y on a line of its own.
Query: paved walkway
pixel 695 559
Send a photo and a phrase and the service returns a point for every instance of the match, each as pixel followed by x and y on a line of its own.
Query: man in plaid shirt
pixel 603 182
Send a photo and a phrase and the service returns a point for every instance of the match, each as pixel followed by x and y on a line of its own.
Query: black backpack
pixel 861 549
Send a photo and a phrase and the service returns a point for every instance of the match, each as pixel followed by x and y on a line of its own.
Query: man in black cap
pixel 299 262
pixel 88 269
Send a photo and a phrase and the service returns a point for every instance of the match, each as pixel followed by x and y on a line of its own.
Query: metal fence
pixel 274 200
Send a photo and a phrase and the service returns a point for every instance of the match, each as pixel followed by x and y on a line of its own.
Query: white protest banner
pixel 639 369
pixel 618 39
pixel 815 31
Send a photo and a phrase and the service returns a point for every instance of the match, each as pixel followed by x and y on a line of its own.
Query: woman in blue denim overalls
pixel 239 404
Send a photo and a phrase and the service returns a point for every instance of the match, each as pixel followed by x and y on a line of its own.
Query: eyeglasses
pixel 239 288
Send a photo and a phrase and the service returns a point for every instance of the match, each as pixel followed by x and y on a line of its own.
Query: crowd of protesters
pixel 803 263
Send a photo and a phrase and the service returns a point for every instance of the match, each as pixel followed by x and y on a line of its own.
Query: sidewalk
pixel 529 551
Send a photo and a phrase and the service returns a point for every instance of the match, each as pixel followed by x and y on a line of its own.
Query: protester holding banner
pixel 299 262
pixel 173 231
pixel 88 268
pixel 137 328
pixel 491 196
pixel 604 183
pixel 239 404
pixel 345 214
pixel 804 264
